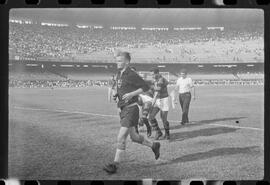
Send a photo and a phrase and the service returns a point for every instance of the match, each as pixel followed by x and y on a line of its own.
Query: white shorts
pixel 145 98
pixel 162 104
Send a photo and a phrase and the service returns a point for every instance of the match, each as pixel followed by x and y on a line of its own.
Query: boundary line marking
pixel 66 111
pixel 115 116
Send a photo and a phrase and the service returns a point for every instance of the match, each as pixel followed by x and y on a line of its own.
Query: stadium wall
pixel 64 68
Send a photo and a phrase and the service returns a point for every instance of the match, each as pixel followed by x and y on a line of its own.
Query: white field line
pixel 66 111
pixel 115 116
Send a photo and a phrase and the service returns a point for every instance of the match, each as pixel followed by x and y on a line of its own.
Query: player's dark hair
pixel 125 54
pixel 184 70
pixel 155 70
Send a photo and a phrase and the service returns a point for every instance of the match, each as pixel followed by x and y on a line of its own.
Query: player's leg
pixel 164 115
pixel 147 124
pixel 121 146
pixel 135 137
pixel 140 114
pixel 121 143
pixel 129 117
pixel 109 94
pixel 132 119
pixel 186 103
pixel 141 120
pixel 181 100
pixel 154 122
pixel 164 109
pixel 145 112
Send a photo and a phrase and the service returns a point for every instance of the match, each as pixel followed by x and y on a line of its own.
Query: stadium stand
pixel 71 43
pixel 36 75
pixel 85 80
pixel 91 76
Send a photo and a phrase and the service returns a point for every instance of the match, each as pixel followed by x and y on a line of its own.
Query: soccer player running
pixel 160 103
pixel 129 85
pixel 183 86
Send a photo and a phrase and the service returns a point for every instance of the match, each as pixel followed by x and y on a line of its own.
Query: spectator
pixel 71 43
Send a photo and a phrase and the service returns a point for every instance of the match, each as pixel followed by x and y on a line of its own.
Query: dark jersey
pixel 127 82
pixel 151 91
pixel 162 83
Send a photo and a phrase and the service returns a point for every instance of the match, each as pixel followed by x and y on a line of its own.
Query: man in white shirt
pixel 183 86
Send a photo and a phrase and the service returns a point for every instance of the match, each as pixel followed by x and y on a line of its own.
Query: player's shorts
pixel 129 116
pixel 145 98
pixel 162 104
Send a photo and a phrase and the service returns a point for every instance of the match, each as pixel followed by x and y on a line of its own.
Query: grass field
pixel 71 133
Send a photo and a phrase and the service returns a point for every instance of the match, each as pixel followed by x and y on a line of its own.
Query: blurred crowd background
pixel 70 43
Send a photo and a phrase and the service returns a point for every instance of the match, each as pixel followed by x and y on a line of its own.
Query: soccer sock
pixel 118 155
pixel 146 122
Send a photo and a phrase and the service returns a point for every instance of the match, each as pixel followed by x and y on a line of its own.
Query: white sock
pixel 118 155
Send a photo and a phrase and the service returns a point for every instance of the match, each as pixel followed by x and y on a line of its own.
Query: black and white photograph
pixel 136 93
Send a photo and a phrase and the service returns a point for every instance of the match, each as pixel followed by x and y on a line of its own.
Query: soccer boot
pixel 166 135
pixel 110 168
pixel 149 131
pixel 155 149
pixel 183 123
pixel 158 134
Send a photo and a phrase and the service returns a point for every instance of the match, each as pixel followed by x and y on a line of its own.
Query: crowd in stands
pixel 68 83
pixel 57 83
pixel 102 83
pixel 75 44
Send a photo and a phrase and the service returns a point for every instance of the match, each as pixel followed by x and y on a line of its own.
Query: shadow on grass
pixel 212 153
pixel 204 122
pixel 180 136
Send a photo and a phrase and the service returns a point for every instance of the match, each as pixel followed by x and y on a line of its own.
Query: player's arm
pixel 173 99
pixel 176 88
pixel 193 87
pixel 194 97
pixel 111 90
pixel 155 98
pixel 109 94
pixel 130 95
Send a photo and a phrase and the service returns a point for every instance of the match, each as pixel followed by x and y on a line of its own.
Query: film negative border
pixel 137 3
pixel 122 182
pixel 6 5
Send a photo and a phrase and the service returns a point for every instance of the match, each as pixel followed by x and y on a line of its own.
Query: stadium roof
pixel 143 17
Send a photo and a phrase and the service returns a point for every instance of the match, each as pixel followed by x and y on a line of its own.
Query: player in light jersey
pixel 145 105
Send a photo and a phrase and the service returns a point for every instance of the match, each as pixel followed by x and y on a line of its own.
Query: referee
pixel 183 86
